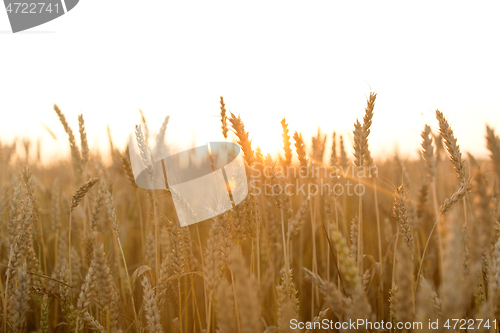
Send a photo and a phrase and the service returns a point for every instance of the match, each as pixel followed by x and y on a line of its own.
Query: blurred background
pixel 313 63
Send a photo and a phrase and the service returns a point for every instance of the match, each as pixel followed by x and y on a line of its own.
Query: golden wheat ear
pixel 451 146
pixel 75 152
pixel 223 118
pixel 82 192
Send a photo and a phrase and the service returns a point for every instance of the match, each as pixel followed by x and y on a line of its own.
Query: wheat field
pixel 327 237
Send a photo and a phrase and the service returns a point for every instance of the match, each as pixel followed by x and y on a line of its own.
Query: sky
pixel 311 62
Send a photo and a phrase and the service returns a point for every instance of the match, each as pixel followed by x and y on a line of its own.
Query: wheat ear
pixel 83 140
pixel 286 143
pixel 81 192
pixel 151 307
pixel 451 146
pixel 400 214
pixel 243 138
pixel 301 152
pixel 75 152
pixel 493 145
pixel 223 117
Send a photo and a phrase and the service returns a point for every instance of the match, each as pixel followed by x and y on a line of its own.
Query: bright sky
pixel 313 62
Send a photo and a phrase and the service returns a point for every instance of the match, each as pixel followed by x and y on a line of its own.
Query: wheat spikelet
pixel 494 281
pixel 428 153
pixel 400 214
pixel 151 309
pixel 183 204
pixel 75 152
pixel 286 143
pixel 243 139
pixel 33 202
pixel 211 271
pixel 146 129
pixel 15 213
pixel 144 151
pixel 334 159
pixel 493 145
pixel 318 146
pixel 98 204
pixel 188 249
pixel 483 213
pixel 354 237
pixel 22 245
pixel 438 140
pixel 291 291
pixel 301 152
pixel 149 255
pixel 248 300
pixel 455 197
pixel 88 289
pixel 164 286
pixel 127 168
pixel 62 250
pixel 258 158
pixel 66 299
pixel 103 277
pixel 367 122
pixel 81 192
pixel 367 119
pixel 223 117
pixel 177 254
pixel 160 138
pixel 92 322
pixel 44 318
pixel 19 305
pixel 451 145
pixel 348 268
pixel 359 144
pixel 404 173
pixel 285 312
pixel 255 225
pixel 110 203
pixel 225 229
pixel 404 281
pixel 319 318
pixel 333 297
pixel 423 193
pixel 287 303
pixel 297 222
pixel 76 266
pixel 454 300
pixel 55 206
pixel 83 140
pixel 427 301
pixel 226 322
